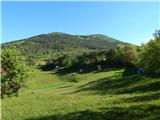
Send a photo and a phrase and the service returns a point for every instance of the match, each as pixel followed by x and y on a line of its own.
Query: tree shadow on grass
pixel 143 88
pixel 129 84
pixel 65 71
pixel 141 98
pixel 141 112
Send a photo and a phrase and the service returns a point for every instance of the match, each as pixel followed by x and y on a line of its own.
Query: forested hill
pixel 47 43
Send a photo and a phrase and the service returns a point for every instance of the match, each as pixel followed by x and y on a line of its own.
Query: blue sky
pixel 132 22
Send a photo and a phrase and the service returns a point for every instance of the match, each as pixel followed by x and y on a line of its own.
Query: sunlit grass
pixel 96 96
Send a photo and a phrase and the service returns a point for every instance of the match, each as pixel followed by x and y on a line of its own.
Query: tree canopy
pixel 150 56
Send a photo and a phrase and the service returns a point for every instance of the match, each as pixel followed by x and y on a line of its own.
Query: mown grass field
pixel 103 95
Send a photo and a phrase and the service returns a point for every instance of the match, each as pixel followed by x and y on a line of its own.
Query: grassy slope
pixel 97 96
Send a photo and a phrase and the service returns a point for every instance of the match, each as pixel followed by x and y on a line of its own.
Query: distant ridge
pixel 57 41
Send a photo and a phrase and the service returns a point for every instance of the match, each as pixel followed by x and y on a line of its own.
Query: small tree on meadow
pixel 130 55
pixel 14 71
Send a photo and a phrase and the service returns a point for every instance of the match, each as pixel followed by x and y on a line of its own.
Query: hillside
pixel 105 95
pixel 44 44
pixel 81 82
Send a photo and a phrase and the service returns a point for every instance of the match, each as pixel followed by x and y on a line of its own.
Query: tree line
pixel 144 58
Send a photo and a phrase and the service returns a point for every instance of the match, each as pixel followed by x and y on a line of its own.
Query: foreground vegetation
pixel 14 71
pixel 105 95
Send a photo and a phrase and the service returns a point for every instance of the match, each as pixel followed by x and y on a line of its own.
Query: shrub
pixel 72 78
pixel 13 71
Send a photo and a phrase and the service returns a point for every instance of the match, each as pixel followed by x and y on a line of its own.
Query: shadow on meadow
pixel 87 69
pixel 141 98
pixel 128 84
pixel 63 71
pixel 141 112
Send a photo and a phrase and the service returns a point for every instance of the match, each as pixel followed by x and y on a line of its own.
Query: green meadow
pixel 105 95
pixel 84 60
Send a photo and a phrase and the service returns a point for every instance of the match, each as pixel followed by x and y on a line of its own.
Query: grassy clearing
pixel 96 96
